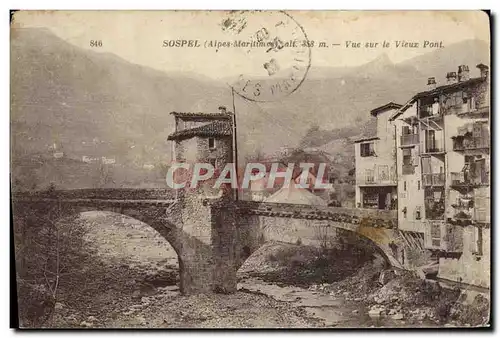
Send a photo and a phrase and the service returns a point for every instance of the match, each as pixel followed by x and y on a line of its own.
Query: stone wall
pixel 262 222
pixel 103 194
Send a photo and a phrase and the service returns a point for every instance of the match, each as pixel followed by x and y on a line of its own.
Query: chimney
pixel 451 77
pixel 222 110
pixel 463 73
pixel 431 82
pixel 484 70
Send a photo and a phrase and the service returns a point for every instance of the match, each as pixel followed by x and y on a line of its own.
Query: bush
pixel 48 253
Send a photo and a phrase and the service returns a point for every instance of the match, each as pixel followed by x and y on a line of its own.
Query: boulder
pixel 375 313
pixel 86 324
pixel 397 316
pixel 386 276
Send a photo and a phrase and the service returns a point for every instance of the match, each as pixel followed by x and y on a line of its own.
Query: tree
pixel 48 254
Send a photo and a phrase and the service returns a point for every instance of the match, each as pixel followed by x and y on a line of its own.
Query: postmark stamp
pixel 277 52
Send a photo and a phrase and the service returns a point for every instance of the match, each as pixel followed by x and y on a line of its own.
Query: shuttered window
pixel 436 234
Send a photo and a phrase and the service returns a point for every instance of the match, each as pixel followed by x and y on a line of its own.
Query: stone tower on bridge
pixel 207 262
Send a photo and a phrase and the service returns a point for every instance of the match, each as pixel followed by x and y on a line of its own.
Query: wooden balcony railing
pixel 410 139
pixel 463 179
pixel 435 148
pixel 433 179
pixel 471 143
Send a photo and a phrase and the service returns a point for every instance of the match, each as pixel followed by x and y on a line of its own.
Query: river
pixel 332 311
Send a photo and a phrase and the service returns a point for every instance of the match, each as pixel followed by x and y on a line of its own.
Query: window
pixel 369 176
pixel 367 149
pixel 211 143
pixel 435 234
pixel 418 213
pixel 370 199
pixel 479 242
pixel 418 185
pixel 476 241
pixel 404 185
pixel 407 158
pixel 430 140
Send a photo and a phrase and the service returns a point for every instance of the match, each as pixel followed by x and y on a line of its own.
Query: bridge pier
pixel 208 250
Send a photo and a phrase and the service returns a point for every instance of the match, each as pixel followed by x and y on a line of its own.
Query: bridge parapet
pixel 99 194
pixel 364 217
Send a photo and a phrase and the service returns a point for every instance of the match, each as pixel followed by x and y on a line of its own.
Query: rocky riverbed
pixel 133 282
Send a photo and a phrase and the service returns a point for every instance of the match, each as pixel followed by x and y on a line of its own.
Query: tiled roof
pixel 390 105
pixel 449 87
pixel 199 115
pixel 436 91
pixel 217 128
pixel 402 109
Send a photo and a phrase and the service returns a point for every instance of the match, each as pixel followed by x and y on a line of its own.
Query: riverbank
pixel 130 280
pixel 390 297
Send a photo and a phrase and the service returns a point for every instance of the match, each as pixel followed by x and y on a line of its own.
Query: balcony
pixel 472 143
pixel 430 180
pixel 409 140
pixel 464 202
pixel 463 215
pixel 408 169
pixel 427 111
pixel 466 180
pixel 434 149
pixel 482 111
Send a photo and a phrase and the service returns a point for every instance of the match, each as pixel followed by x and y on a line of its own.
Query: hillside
pixel 97 104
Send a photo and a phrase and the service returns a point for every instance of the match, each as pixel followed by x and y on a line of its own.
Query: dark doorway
pixel 381 200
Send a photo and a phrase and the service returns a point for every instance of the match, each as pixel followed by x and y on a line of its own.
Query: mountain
pixel 93 102
pixel 439 62
pixel 97 104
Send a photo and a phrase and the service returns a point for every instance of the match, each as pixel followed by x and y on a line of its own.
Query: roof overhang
pixel 387 106
pixel 366 139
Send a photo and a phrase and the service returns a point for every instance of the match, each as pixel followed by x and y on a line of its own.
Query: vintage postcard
pixel 251 169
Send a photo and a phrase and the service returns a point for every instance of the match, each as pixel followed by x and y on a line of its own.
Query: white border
pixel 190 4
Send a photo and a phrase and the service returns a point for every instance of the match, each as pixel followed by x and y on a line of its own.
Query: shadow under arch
pixel 187 247
pixel 380 240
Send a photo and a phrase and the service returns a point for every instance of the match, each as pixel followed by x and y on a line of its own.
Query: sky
pixel 137 36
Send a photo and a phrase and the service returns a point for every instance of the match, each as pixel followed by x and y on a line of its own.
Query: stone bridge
pixel 214 236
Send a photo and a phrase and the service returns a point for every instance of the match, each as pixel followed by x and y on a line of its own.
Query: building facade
pixel 443 165
pixel 203 138
pixel 376 162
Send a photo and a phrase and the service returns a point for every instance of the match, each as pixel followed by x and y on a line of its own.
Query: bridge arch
pixel 284 223
pixel 153 217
